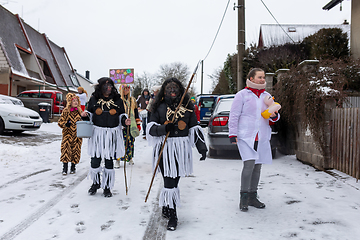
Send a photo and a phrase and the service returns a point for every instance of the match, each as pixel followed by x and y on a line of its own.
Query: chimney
pixel 87 74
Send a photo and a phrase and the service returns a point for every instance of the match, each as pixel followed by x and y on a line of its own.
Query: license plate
pixel 206 118
pixel 37 124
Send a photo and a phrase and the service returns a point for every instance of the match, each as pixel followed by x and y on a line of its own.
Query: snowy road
pixel 37 202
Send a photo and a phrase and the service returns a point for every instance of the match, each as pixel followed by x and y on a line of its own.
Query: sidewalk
pixel 301 203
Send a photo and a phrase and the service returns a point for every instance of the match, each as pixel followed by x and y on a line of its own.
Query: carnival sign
pixel 122 76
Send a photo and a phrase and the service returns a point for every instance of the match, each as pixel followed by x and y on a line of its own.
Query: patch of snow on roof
pixel 274 35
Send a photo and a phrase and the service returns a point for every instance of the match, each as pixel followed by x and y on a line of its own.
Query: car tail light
pixel 220 121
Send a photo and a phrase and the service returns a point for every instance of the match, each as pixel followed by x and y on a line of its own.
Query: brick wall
pixel 305 147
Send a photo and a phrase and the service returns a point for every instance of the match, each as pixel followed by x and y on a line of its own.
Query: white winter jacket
pixel 83 98
pixel 245 122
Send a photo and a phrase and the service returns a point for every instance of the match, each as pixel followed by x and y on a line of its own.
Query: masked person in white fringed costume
pixel 108 115
pixel 185 133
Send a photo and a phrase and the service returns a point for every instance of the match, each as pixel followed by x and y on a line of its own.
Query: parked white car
pixel 17 118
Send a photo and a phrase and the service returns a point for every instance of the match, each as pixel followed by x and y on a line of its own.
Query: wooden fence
pixel 345 140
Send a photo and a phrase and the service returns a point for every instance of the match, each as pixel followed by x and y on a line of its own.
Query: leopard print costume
pixel 71 144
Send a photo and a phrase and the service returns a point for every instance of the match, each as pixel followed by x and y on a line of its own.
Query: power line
pixel 217 30
pixel 277 21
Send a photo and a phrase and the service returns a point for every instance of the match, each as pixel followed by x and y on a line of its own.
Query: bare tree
pixel 175 69
pixel 215 78
pixel 145 80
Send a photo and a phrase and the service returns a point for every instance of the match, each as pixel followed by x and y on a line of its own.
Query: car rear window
pixel 207 102
pixel 224 105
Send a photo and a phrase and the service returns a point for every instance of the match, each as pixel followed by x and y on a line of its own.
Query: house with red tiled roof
pixel 30 60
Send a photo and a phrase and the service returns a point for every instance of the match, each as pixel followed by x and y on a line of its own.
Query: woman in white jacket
pixel 251 132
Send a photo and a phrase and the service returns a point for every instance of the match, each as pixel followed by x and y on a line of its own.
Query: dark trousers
pixel 144 122
pixel 95 163
pixel 168 181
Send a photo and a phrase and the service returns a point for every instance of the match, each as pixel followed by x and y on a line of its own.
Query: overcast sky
pixel 99 35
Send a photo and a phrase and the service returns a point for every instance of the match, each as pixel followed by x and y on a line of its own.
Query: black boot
pixel 254 201
pixel 107 193
pixel 94 187
pixel 72 168
pixel 172 224
pixel 65 169
pixel 244 201
pixel 165 211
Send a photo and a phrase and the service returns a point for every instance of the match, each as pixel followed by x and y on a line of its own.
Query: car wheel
pixel 212 152
pixel 273 153
pixel 2 126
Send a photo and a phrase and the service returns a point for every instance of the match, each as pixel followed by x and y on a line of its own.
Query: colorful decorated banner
pixel 121 76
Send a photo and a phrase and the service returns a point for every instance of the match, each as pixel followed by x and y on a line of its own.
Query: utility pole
pixel 241 42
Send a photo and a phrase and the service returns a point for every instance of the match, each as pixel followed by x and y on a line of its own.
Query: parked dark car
pixel 56 96
pixel 218 130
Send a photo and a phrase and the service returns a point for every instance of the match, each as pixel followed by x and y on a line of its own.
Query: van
pixel 206 103
pixel 56 96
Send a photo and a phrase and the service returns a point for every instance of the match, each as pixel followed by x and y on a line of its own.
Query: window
pixel 291 29
pixel 59 97
pixel 207 102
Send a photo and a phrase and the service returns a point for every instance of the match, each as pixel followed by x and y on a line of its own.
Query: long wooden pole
pixel 127 145
pixel 167 135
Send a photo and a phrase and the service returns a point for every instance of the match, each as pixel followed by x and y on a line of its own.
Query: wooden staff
pixel 167 135
pixel 126 145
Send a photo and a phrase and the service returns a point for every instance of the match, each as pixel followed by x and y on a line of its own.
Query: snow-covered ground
pixel 38 202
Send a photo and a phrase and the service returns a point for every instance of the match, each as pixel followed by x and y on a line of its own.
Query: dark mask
pixel 106 89
pixel 172 90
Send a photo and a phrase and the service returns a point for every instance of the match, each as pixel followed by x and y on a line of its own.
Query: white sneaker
pixel 117 164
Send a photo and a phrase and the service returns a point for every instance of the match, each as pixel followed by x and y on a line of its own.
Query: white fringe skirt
pixel 105 142
pixel 177 153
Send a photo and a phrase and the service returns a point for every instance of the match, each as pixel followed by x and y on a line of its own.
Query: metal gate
pixel 345 140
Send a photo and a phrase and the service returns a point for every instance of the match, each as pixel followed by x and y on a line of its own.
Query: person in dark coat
pixel 108 116
pixel 184 133
pixel 142 102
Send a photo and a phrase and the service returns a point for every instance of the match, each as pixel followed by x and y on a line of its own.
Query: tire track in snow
pixel 156 229
pixel 11 234
pixel 23 178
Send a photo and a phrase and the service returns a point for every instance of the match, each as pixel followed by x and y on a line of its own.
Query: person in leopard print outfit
pixel 71 144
